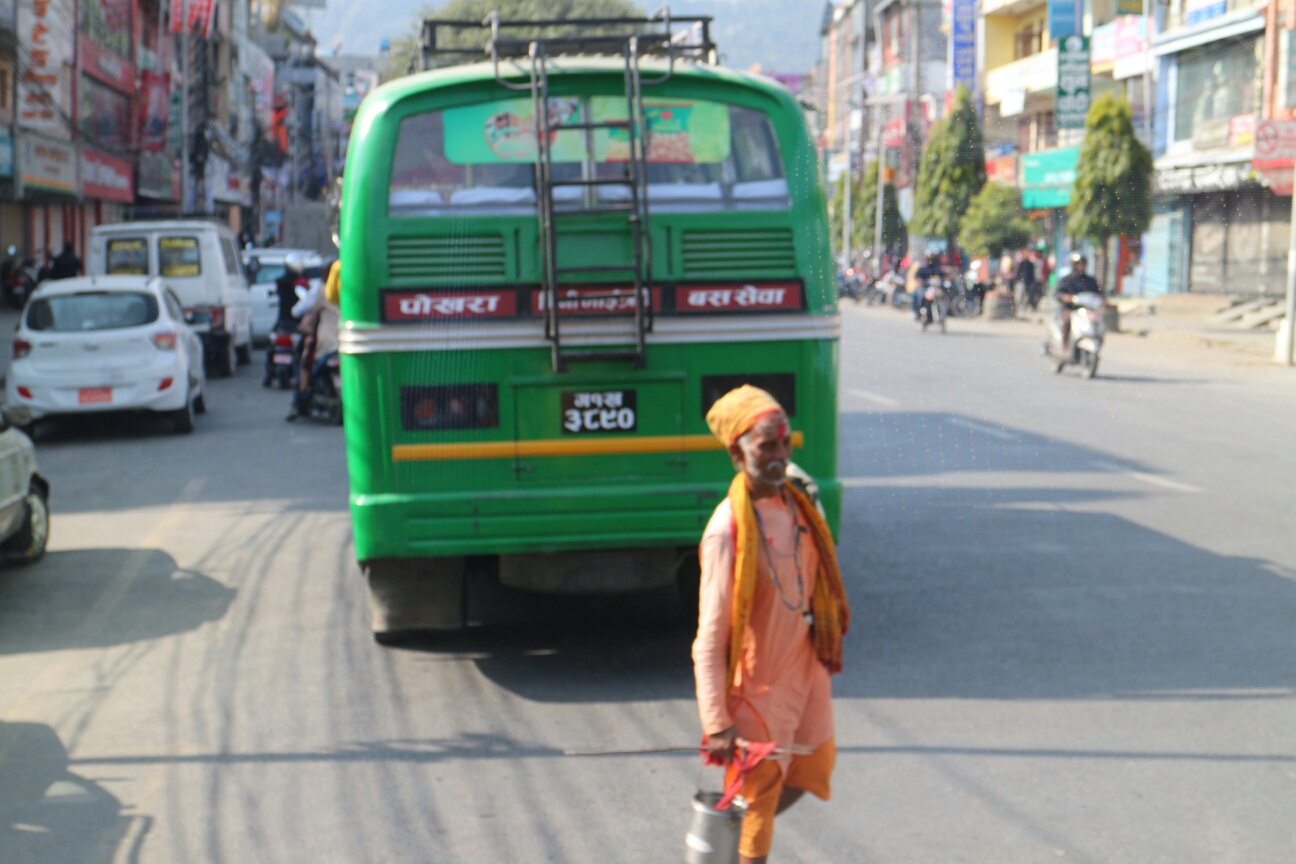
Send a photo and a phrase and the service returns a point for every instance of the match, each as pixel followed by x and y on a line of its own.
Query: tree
pixel 1112 194
pixel 994 222
pixel 864 212
pixel 406 47
pixel 951 171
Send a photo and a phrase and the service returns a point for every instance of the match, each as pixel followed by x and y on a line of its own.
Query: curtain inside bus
pixel 480 159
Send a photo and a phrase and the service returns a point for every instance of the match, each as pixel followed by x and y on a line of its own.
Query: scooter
pixel 935 307
pixel 1087 331
pixel 324 390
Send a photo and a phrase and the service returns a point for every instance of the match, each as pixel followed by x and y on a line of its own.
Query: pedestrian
pixel 1025 278
pixel 67 265
pixel 772 613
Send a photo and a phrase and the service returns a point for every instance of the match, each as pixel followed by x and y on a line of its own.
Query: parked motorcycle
pixel 1087 331
pixel 849 284
pixel 18 279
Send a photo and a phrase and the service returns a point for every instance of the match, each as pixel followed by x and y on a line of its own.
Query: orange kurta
pixel 781 691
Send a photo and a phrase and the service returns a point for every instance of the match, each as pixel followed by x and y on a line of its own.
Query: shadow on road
pixel 49 815
pixel 98 597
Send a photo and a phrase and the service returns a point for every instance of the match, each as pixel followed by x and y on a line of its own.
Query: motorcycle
pixel 279 357
pixel 849 284
pixel 966 301
pixel 19 279
pixel 324 390
pixel 1087 331
pixel 935 306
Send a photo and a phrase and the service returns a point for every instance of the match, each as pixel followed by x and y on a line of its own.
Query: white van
pixel 197 260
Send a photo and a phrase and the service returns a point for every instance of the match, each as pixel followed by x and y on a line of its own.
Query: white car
pixel 24 494
pixel 263 267
pixel 107 343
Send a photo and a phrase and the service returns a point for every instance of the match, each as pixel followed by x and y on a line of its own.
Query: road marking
pixel 874 397
pixel 992 431
pixel 1150 479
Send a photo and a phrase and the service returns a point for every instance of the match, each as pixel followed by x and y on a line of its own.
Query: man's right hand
pixel 722 744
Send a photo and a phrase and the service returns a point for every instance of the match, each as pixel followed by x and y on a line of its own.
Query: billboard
pixel 45 28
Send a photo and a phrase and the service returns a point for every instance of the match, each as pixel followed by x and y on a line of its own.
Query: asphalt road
pixel 1075 639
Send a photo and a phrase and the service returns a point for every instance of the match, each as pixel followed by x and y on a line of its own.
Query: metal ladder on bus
pixel 638 270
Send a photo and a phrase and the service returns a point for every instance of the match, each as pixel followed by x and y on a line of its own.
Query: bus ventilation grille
pixel 453 259
pixel 719 254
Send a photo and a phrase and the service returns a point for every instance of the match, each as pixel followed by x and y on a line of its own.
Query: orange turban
pixel 736 412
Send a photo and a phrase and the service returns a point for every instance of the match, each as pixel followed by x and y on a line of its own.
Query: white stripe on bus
pixel 467 335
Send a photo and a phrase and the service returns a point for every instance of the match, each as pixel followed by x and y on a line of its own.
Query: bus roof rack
pixel 685 37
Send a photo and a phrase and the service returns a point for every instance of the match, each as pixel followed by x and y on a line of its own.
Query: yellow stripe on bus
pixel 561 447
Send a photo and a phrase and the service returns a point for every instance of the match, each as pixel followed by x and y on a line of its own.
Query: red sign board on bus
pixel 593 301
pixel 434 306
pixel 738 297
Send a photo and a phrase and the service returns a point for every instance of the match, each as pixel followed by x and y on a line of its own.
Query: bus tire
pixel 411 595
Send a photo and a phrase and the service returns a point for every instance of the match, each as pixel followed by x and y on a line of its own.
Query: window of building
pixel 1216 83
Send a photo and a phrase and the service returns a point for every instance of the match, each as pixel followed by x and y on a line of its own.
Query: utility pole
pixel 846 216
pixel 185 183
pixel 1288 332
pixel 877 217
pixel 1147 72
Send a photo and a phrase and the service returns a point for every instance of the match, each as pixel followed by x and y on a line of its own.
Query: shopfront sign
pixel 1275 154
pixel 1065 18
pixel 159 177
pixel 1197 11
pixel 6 154
pixel 108 178
pixel 1203 178
pixel 44 87
pixel 98 62
pixel 1002 169
pixel 47 166
pixel 963 44
pixel 1072 106
pixel 1047 177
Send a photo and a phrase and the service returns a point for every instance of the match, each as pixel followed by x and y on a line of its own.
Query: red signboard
pixel 154 109
pixel 434 306
pixel 738 297
pixel 893 134
pixel 98 62
pixel 200 15
pixel 1002 169
pixel 107 177
pixel 593 301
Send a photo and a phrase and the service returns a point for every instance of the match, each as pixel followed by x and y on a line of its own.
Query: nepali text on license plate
pixel 94 395
pixel 285 359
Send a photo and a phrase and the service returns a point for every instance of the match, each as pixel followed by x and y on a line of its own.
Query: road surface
pixel 1074 639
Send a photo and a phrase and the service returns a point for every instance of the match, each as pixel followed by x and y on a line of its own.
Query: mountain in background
pixel 781 35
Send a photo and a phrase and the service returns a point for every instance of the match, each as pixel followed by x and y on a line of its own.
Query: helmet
pixel 1077 258
pixel 293 262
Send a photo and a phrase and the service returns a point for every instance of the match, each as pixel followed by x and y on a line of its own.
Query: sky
pixel 781 35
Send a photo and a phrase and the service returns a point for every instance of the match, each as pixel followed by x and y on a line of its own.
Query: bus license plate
pixel 94 395
pixel 285 359
pixel 598 412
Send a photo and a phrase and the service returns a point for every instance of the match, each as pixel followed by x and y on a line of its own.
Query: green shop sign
pixel 1047 178
pixel 1072 82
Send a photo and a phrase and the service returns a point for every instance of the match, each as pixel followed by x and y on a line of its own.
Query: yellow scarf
pixel 828 603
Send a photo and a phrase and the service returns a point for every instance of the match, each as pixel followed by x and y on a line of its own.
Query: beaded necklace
pixel 799 606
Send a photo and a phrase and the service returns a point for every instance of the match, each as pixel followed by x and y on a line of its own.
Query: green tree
pixel 1112 194
pixel 407 47
pixel 864 212
pixel 994 222
pixel 951 172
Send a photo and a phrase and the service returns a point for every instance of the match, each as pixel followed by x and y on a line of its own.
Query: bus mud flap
pixel 412 594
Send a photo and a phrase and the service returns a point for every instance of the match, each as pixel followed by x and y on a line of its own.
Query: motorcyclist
pixel 320 319
pixel 1075 282
pixel 929 268
pixel 293 277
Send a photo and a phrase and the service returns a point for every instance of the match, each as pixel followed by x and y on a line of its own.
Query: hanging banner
pixel 200 16
pixel 1073 83
pixel 963 44
pixel 1065 18
pixel 155 108
pixel 45 30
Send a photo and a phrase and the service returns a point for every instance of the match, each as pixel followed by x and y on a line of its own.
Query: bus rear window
pixel 179 257
pixel 128 256
pixel 479 159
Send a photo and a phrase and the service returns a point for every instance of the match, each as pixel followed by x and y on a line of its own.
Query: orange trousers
pixel 764 785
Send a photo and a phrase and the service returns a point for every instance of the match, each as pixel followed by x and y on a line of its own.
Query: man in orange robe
pixel 772 613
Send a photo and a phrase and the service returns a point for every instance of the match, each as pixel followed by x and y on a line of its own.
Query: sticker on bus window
pixel 598 411
pixel 179 257
pixel 593 301
pixel 738 297
pixel 429 306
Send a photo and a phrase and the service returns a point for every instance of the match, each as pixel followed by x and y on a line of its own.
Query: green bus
pixel 553 263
